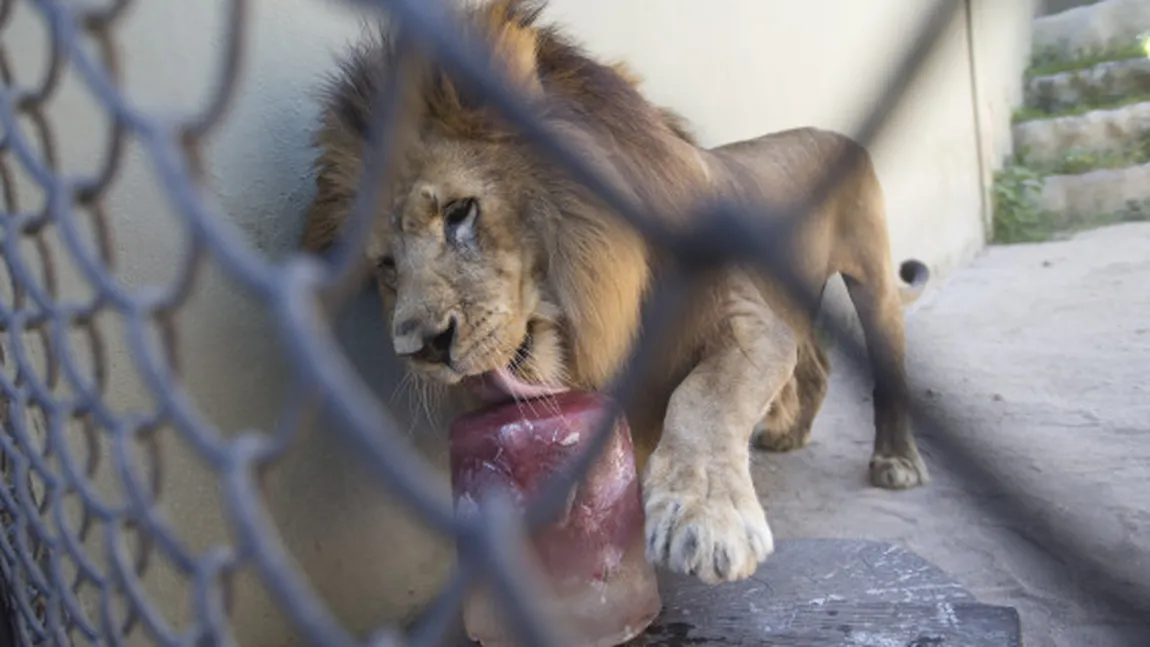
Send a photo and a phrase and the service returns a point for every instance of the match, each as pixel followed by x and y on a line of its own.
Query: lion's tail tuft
pixel 915 274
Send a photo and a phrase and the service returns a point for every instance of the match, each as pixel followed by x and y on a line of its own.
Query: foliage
pixel 1018 218
pixel 1052 61
pixel 1030 113
pixel 1076 161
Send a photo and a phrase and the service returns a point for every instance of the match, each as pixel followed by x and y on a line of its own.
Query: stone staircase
pixel 1082 136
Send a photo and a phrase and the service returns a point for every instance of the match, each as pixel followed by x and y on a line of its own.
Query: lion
pixel 503 277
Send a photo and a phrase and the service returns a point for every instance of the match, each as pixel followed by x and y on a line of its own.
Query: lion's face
pixel 496 269
pixel 458 273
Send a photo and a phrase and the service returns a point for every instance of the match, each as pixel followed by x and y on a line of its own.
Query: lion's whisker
pixel 398 391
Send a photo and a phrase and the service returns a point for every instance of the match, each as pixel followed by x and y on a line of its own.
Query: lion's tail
pixel 915 275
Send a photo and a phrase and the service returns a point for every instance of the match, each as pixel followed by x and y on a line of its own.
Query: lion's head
pixel 496 270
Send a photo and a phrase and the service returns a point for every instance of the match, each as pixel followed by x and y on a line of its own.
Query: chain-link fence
pixel 64 394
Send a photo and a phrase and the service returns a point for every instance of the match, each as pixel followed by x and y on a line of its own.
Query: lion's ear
pixel 508 27
pixel 516 49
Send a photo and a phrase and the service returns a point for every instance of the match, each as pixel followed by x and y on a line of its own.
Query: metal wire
pixel 36 532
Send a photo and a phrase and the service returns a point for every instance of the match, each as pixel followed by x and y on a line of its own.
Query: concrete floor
pixel 1040 356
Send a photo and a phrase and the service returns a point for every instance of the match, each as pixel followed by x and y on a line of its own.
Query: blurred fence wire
pixel 65 395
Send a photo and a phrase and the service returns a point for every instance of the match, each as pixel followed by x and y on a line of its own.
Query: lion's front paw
pixel 704 524
pixel 898 472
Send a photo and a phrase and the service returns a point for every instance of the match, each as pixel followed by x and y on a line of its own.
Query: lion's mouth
pixel 503 384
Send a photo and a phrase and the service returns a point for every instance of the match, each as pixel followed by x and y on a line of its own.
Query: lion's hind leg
pixel 895 463
pixel 787 425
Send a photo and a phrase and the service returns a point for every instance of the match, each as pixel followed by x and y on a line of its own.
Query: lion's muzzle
pixel 418 340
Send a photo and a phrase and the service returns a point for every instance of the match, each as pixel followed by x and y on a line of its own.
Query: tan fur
pixel 546 266
pixel 672 119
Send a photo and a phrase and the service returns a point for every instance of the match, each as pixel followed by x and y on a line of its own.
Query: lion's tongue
pixel 501 384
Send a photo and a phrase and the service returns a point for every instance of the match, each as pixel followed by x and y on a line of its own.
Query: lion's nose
pixel 427 343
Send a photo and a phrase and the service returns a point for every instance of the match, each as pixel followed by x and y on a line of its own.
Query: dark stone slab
pixel 818 571
pixel 848 624
pixel 828 593
pixel 823 592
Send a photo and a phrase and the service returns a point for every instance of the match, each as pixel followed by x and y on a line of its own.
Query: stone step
pixel 1103 83
pixel 1047 141
pixel 1090 196
pixel 1091 28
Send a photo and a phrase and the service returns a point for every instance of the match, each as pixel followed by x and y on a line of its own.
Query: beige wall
pixel 783 65
pixel 735 68
pixel 1000 37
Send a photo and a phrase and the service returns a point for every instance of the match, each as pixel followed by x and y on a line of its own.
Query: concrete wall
pixel 1000 44
pixel 735 68
pixel 820 64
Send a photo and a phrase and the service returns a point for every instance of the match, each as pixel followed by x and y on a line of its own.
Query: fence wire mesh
pixel 53 398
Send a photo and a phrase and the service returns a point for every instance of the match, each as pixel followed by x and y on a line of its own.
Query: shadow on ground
pixel 1042 354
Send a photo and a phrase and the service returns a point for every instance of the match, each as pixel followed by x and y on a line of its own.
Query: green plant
pixel 1018 218
pixel 1030 113
pixel 1048 62
pixel 1076 161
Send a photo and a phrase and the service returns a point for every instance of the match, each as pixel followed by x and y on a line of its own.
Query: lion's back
pixel 802 154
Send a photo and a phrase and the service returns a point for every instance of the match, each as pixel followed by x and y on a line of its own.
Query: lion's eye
pixel 459 219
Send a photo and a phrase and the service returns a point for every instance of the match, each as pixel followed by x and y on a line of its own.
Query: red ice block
pixel 592 558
